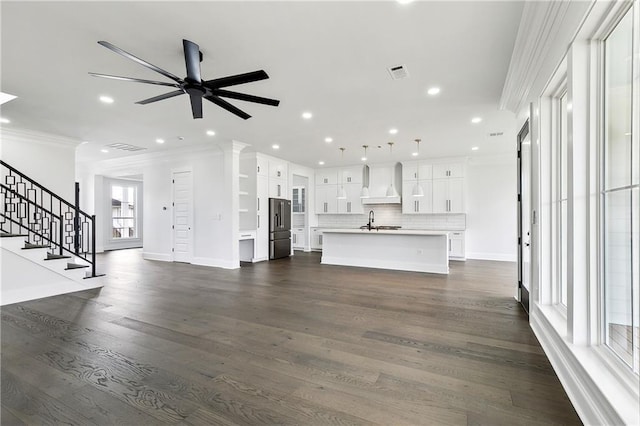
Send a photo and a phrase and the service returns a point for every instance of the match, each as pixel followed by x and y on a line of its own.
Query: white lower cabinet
pixel 456 245
pixel 316 239
pixel 298 239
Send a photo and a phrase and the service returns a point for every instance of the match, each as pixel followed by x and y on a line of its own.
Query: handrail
pixel 42 187
pixel 6 188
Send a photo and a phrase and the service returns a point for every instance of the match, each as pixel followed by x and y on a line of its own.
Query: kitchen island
pixel 402 249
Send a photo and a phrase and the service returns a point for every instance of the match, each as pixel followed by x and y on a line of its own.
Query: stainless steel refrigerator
pixel 279 228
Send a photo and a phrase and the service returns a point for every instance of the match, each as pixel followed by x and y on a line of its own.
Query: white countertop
pixel 386 231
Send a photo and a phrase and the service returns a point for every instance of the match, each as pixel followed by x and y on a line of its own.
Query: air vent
pixel 496 134
pixel 125 147
pixel 398 72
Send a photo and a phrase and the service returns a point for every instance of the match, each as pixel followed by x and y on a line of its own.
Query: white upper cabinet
pixel 326 199
pixel 327 177
pixel 262 166
pixel 448 195
pixel 417 205
pixel 277 169
pixel 350 175
pixel 352 204
pixel 329 182
pixel 413 170
pixel 445 171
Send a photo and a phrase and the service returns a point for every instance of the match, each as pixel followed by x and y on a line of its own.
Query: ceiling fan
pixel 193 85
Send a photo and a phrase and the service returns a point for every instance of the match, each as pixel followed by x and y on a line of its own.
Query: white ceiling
pixel 330 58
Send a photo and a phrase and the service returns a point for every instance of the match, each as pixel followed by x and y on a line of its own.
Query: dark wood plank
pixel 33 406
pixel 284 342
pixel 103 408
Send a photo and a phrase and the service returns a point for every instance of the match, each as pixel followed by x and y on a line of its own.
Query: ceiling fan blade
pixel 236 79
pixel 161 97
pixel 135 80
pixel 226 105
pixel 192 60
pixel 245 97
pixel 196 105
pixel 138 60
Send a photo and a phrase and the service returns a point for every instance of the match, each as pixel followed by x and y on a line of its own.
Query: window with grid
pixel 123 212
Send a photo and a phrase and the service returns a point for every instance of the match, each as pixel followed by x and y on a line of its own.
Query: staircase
pixel 47 243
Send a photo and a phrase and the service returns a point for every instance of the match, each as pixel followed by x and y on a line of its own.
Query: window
pixel 298 199
pixel 619 202
pixel 562 200
pixel 558 152
pixel 123 212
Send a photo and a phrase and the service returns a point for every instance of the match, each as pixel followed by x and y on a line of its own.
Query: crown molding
pixel 32 136
pixel 546 30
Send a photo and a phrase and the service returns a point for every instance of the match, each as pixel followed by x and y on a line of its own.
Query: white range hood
pixel 380 177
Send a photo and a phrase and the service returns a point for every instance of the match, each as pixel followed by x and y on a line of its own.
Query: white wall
pixel 492 219
pixel 212 212
pixel 47 159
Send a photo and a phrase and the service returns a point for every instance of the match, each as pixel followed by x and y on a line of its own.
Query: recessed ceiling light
pixel 104 151
pixel 328 140
pixel 415 154
pixel 5 97
pixel 84 142
pixel 5 120
pixel 475 148
pixel 404 1
pixel 160 140
pixel 476 120
pixel 364 158
pixel 106 99
pixel 393 131
pixel 275 146
pixel 628 134
pixel 211 133
pixel 433 91
pixel 307 115
pixel 321 163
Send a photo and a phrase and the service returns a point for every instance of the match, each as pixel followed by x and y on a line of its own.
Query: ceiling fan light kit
pixel 193 85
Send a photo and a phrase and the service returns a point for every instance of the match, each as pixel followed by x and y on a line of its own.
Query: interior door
pixel 182 216
pixel 524 216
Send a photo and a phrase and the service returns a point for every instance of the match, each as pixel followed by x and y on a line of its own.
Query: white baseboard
pixel 215 263
pixel 156 256
pixel 501 257
pixel 594 393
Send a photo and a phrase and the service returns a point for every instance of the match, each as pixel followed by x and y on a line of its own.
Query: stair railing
pixel 46 218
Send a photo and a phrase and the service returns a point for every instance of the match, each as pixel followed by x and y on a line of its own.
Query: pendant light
pixel 342 194
pixel 417 189
pixel 391 191
pixel 364 193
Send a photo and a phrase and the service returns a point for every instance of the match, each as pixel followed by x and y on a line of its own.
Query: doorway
pixel 524 218
pixel 182 216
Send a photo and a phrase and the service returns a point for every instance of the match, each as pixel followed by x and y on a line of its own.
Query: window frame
pixel 615 362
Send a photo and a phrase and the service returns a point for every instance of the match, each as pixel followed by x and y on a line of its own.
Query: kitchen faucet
pixel 371 219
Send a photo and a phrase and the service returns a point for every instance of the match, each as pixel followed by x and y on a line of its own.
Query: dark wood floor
pixel 283 342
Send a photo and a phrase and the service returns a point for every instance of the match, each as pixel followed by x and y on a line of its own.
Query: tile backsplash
pixel 391 214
